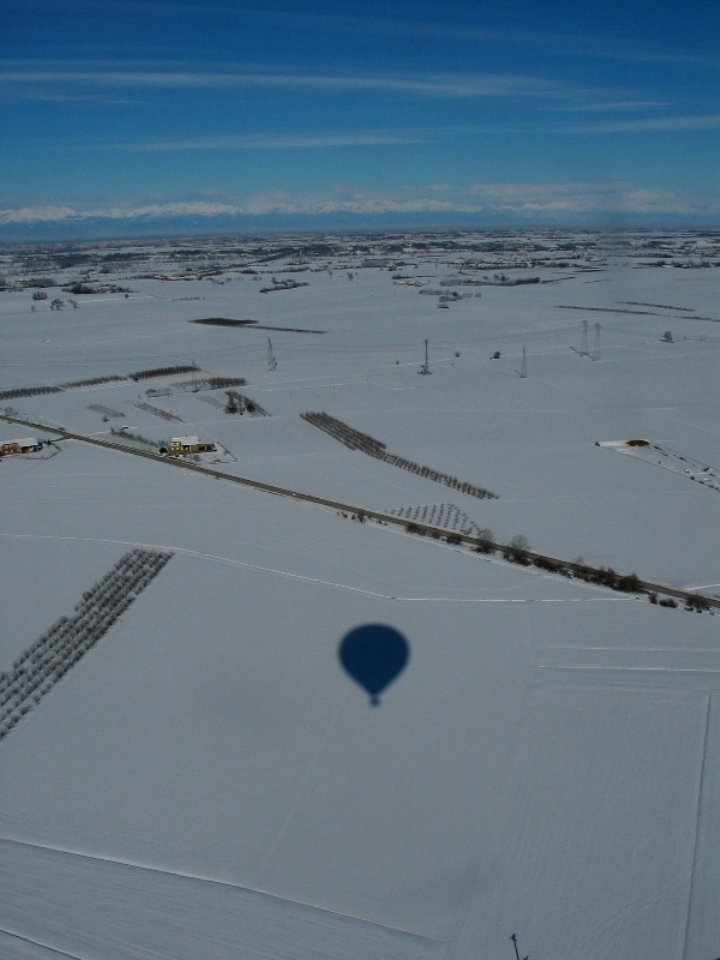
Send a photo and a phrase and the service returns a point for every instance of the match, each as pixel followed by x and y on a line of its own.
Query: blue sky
pixel 526 112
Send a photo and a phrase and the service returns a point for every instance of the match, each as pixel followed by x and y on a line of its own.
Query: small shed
pixel 29 445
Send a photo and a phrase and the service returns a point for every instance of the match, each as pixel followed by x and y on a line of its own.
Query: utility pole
pixel 596 348
pixel 517 954
pixel 425 368
pixel 522 372
pixel 584 343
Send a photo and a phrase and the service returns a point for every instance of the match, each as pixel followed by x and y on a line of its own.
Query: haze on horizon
pixel 117 114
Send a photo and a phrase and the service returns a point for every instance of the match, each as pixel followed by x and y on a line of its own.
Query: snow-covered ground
pixel 208 781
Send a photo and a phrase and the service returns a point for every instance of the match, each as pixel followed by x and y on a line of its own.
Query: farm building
pixel 28 445
pixel 190 445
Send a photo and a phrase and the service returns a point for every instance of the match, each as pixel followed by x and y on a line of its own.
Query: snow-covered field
pixel 207 781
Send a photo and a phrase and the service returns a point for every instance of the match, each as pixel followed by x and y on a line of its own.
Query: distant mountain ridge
pixel 75 226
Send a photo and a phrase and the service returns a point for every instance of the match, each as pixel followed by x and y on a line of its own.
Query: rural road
pixel 388 519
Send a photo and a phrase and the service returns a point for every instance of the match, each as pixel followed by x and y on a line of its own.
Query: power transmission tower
pixel 596 346
pixel 271 361
pixel 425 368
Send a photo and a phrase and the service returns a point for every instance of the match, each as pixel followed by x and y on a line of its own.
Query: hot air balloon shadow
pixel 374 655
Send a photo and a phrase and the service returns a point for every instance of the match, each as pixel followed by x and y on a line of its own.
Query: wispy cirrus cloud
pixel 432 22
pixel 580 198
pixel 111 84
pixel 348 139
pixel 611 106
pixel 438 86
pixel 428 21
pixel 261 141
pixel 672 124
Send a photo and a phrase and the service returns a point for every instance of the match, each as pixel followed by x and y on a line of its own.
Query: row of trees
pixel 48 659
pixel 470 489
pixel 197 384
pixel 164 371
pixel 58 388
pixel 345 434
pixel 91 381
pixel 28 392
pixel 355 440
pixel 111 378
pixel 518 551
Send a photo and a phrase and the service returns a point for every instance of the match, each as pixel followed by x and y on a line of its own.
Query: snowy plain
pixel 207 781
